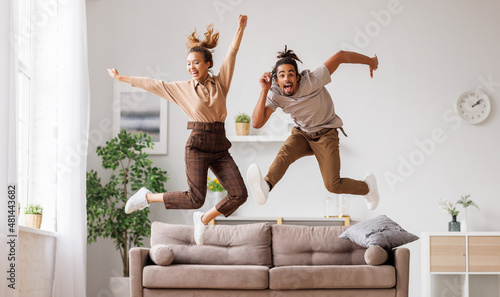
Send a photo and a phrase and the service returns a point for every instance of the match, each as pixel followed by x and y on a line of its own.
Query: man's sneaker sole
pixel 254 178
pixel 373 197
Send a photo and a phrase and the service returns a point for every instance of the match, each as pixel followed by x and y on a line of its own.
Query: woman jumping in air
pixel 203 99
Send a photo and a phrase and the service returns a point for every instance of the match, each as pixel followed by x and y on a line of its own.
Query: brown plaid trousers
pixel 207 148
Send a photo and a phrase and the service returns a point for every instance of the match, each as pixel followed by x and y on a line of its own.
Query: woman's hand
pixel 266 81
pixel 113 73
pixel 242 21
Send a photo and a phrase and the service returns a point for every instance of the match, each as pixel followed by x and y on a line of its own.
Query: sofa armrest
pixel 138 258
pixel 401 259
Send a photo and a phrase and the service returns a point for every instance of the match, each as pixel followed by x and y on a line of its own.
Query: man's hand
pixel 242 21
pixel 373 65
pixel 266 80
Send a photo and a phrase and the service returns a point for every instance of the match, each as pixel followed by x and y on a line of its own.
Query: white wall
pixel 429 53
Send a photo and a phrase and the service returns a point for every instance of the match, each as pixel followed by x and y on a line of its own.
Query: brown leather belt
pixel 323 131
pixel 319 133
pixel 215 126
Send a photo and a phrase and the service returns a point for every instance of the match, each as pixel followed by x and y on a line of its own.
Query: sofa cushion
pixel 332 277
pixel 161 254
pixel 380 231
pixel 318 245
pixel 246 277
pixel 376 255
pixel 223 244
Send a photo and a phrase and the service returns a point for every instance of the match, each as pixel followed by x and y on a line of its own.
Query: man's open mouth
pixel 288 88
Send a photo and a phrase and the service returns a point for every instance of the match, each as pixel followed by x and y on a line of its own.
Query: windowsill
pixel 37 231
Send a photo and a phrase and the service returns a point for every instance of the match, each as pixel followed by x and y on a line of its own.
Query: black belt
pixel 215 126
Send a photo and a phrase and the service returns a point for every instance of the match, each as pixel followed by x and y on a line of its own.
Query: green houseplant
pixel 466 202
pixel 242 121
pixel 106 203
pixel 33 215
pixel 242 118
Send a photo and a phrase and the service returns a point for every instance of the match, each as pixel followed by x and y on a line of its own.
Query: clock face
pixel 474 106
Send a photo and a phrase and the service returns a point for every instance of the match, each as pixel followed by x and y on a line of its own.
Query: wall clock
pixel 474 106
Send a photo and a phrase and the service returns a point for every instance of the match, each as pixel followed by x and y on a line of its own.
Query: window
pixel 23 97
pixel 37 106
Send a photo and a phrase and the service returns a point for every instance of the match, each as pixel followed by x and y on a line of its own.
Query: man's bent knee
pixel 333 187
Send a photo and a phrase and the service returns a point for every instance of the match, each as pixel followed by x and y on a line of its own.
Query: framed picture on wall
pixel 136 110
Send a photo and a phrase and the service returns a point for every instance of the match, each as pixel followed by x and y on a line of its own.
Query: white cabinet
pixel 461 264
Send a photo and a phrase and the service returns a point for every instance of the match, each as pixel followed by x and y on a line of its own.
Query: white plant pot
pixel 216 197
pixel 119 286
pixel 464 226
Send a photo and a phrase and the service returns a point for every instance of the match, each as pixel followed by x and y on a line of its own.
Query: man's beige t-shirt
pixel 311 107
pixel 201 102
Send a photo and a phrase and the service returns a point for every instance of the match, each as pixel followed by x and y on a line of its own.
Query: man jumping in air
pixel 304 96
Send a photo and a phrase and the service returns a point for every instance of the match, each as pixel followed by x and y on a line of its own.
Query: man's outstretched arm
pixel 351 58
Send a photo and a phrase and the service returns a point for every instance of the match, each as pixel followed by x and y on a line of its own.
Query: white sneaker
pixel 199 228
pixel 137 201
pixel 372 197
pixel 258 185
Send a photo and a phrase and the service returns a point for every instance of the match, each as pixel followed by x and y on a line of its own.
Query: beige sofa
pixel 265 260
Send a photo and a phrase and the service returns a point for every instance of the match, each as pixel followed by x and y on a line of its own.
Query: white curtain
pixel 73 126
pixel 8 172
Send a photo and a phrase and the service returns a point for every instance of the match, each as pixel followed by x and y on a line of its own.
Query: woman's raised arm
pixel 242 23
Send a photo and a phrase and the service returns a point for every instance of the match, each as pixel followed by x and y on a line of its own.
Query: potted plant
pixel 451 209
pixel 132 170
pixel 242 121
pixel 466 202
pixel 33 215
pixel 217 189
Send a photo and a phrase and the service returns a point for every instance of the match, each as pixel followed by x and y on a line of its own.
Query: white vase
pixel 330 207
pixel 344 205
pixel 216 197
pixel 464 227
pixel 119 286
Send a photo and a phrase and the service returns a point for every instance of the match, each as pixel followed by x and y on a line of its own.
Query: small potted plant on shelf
pixel 33 215
pixel 452 210
pixel 466 202
pixel 242 121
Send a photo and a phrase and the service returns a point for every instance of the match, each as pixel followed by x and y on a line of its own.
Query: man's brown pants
pixel 325 146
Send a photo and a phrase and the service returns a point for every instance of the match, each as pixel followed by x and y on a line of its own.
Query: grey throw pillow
pixel 380 231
